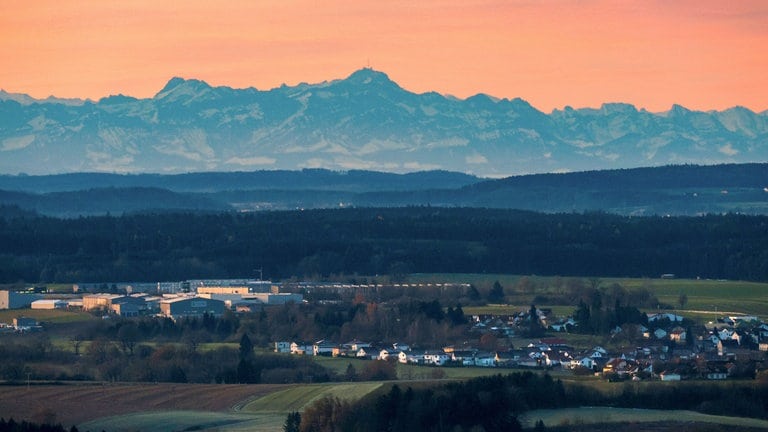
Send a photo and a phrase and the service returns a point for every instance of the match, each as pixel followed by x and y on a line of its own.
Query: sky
pixel 702 54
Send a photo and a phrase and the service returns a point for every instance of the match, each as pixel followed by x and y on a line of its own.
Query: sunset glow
pixel 701 54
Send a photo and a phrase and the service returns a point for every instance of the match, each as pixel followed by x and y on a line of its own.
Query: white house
pixel 301 348
pixel 356 345
pixel 438 358
pixel 366 353
pixel 585 362
pixel 385 353
pixel 484 359
pixel 410 357
pixel 323 348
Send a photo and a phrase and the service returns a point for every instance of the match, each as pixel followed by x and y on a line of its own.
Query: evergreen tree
pixel 246 347
pixel 292 422
pixel 496 294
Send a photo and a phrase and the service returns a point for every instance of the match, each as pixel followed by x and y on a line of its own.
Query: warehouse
pixel 16 300
pixel 191 306
pixel 49 304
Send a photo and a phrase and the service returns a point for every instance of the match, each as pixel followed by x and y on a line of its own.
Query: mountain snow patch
pixel 17 143
pixel 728 150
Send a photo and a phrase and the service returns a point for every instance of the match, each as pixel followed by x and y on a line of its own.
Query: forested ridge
pixel 496 403
pixel 668 190
pixel 394 241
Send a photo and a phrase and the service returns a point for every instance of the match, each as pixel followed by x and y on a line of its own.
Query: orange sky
pixel 703 54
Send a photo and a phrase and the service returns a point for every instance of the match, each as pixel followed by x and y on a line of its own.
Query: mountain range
pixel 363 122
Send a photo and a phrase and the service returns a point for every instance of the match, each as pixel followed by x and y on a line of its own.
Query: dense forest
pixel 384 241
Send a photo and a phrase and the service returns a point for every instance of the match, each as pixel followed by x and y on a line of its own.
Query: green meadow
pixel 705 298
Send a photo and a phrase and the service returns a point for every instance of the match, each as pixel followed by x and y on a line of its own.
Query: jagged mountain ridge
pixel 365 121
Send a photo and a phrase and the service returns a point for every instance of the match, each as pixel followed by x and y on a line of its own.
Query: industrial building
pixel 242 290
pixel 191 306
pixel 49 304
pixel 16 299
pixel 275 299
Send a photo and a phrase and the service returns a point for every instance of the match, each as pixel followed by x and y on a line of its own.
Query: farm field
pixel 705 297
pixel 412 372
pixel 170 421
pixel 53 316
pixel 36 403
pixel 169 407
pixel 297 397
pixel 595 415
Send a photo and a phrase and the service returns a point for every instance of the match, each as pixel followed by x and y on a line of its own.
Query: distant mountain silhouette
pixel 363 122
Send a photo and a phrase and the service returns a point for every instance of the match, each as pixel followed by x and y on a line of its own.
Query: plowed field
pixel 75 404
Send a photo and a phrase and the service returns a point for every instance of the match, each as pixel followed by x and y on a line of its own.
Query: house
pixel 438 358
pixel 534 359
pixel 465 357
pixel 585 362
pixel 386 353
pixel 355 345
pixel 716 372
pixel 282 347
pixel 508 358
pixel 678 335
pixel 563 325
pixel 484 359
pixel 409 357
pixel 621 367
pixel 301 348
pixel 323 347
pixel 401 346
pixel 366 353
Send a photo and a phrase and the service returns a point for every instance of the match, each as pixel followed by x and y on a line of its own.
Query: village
pixel 736 348
pixel 667 347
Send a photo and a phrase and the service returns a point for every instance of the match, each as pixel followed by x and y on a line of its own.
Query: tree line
pixel 496 403
pixel 385 241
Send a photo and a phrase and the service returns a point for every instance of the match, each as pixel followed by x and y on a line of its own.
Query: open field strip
pixel 87 402
pixel 170 421
pixel 593 415
pixel 53 316
pixel 718 296
pixel 298 397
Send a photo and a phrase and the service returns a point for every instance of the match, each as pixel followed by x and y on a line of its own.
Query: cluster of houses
pixel 399 352
pixel 706 361
pixel 735 348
